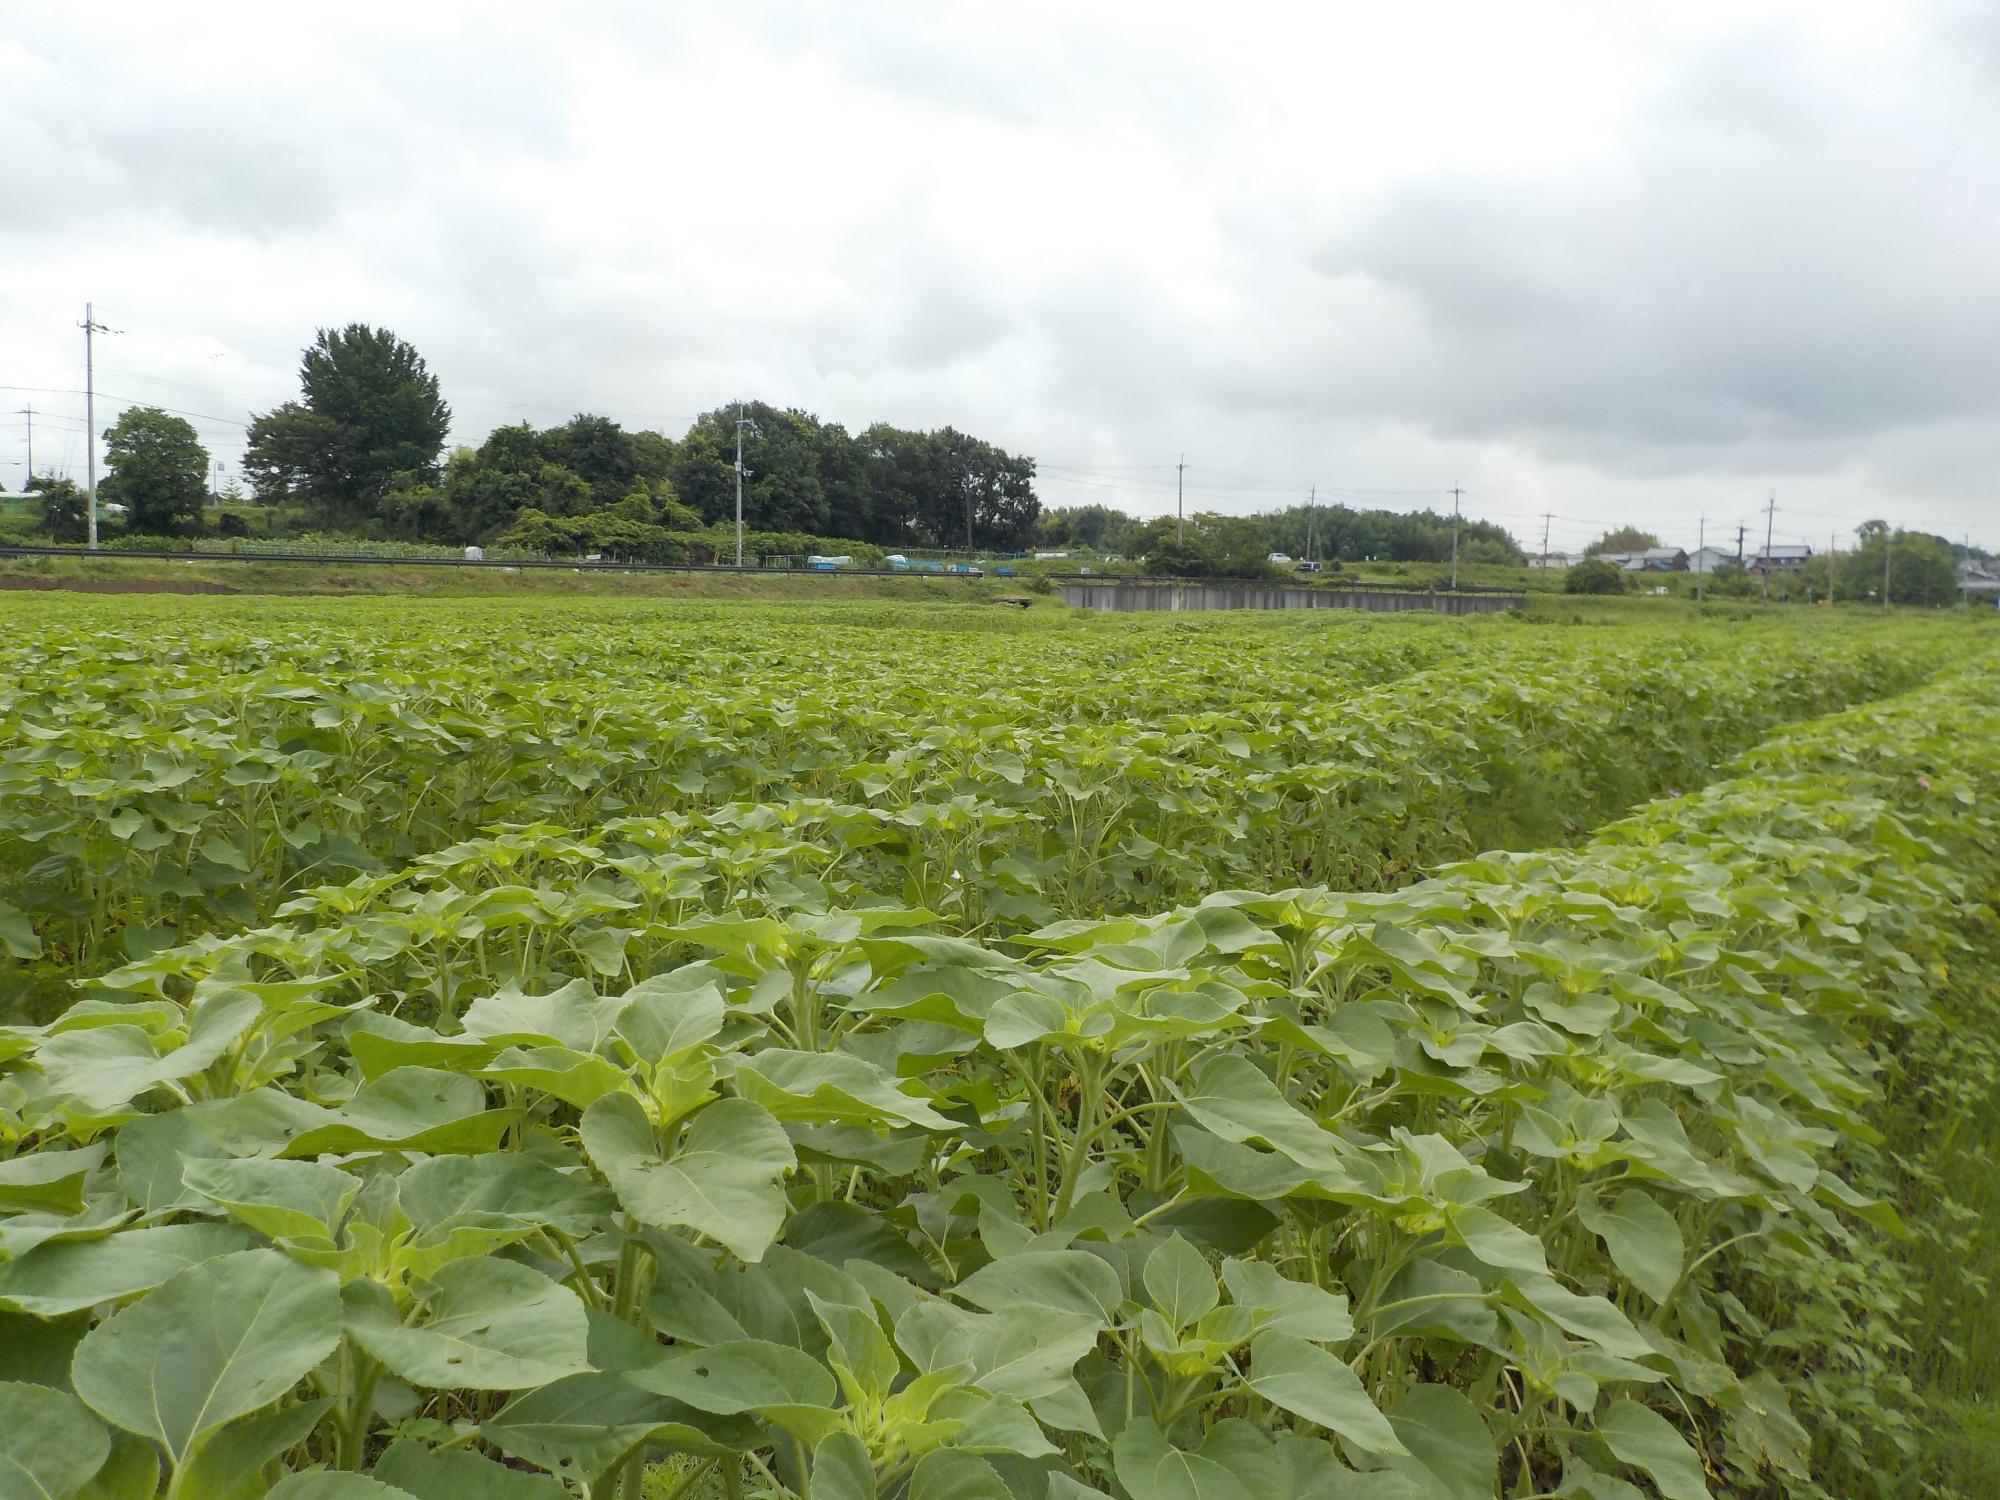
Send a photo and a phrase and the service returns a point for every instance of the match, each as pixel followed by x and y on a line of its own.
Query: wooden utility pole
pixel 1770 516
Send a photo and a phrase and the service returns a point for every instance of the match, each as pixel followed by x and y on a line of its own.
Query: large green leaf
pixel 1071 1281
pixel 103 1067
pixel 228 1464
pixel 1234 1099
pixel 578 1079
pixel 1178 1279
pixel 50 1180
pixel 830 1087
pixel 1643 1238
pixel 1025 1352
pixel 841 1469
pixel 948 1474
pixel 723 1180
pixel 1278 1303
pixel 1451 1452
pixel 749 1378
pixel 409 1109
pixel 499 1190
pixel 1151 1468
pixel 665 1015
pixel 586 1423
pixel 283 1199
pixel 572 1017
pixel 49 1444
pixel 153 1150
pixel 216 1341
pixel 67 1276
pixel 1641 1437
pixel 1308 1382
pixel 460 1475
pixel 489 1325
pixel 1591 1318
pixel 472 1205
pixel 1496 1242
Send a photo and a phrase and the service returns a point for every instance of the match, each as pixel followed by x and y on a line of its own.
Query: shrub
pixel 1594 576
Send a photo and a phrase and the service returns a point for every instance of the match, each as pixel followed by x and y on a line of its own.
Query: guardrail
pixel 579 565
pixel 572 565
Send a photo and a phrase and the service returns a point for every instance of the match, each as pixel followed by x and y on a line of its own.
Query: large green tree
pixel 1922 569
pixel 158 471
pixel 369 411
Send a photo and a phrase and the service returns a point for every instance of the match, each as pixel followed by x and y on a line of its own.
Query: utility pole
pixel 1180 491
pixel 1700 546
pixel 1312 495
pixel 90 326
pixel 739 485
pixel 28 411
pixel 1546 518
pixel 1832 560
pixel 1770 515
pixel 948 479
pixel 1455 492
pixel 1740 529
pixel 1888 550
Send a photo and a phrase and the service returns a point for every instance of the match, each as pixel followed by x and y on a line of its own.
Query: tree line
pixel 1215 545
pixel 361 449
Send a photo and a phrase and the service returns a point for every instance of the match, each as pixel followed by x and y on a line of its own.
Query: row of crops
pixel 848 1057
pixel 197 772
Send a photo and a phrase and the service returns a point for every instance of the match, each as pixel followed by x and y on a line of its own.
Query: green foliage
pixel 506 1058
pixel 65 513
pixel 1921 569
pixel 369 411
pixel 1623 539
pixel 1329 532
pixel 1212 546
pixel 1594 576
pixel 157 469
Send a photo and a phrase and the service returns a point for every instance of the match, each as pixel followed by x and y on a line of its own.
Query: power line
pixel 49 390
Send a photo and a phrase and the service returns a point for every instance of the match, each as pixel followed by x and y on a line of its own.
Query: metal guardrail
pixel 574 565
pixel 1289 581
pixel 578 565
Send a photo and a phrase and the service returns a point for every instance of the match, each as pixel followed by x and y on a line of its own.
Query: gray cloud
pixel 1602 266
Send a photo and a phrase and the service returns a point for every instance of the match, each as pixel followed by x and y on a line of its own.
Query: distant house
pixel 1783 558
pixel 1658 560
pixel 1978 578
pixel 1708 559
pixel 1616 559
pixel 1555 560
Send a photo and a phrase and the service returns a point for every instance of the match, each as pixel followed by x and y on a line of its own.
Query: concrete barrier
pixel 1126 596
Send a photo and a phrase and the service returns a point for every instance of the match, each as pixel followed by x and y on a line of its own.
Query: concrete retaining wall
pixel 1126 596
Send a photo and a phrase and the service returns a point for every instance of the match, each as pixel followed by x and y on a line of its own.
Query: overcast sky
pixel 1614 262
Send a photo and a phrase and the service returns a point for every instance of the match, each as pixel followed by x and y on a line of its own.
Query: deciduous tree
pixel 158 471
pixel 369 410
